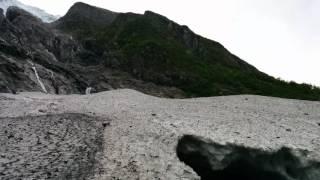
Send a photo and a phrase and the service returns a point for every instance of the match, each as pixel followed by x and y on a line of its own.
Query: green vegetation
pixel 155 49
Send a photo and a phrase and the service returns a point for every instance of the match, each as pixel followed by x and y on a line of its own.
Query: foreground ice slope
pixel 140 132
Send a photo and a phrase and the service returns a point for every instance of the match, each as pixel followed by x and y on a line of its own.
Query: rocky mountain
pixel 94 47
pixel 5 4
pixel 27 44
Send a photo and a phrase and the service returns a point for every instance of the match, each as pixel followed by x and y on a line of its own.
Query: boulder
pixel 212 160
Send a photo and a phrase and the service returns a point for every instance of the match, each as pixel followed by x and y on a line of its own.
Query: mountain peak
pixel 5 4
pixel 82 13
pixel 13 12
pixel 92 11
pixel 80 5
pixel 153 14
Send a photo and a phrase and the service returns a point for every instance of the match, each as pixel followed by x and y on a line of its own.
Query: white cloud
pixel 281 38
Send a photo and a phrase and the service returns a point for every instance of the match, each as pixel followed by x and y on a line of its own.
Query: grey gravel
pixel 140 132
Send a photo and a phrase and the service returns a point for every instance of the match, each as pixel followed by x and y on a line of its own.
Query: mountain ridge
pixel 166 42
pixel 85 12
pixel 146 52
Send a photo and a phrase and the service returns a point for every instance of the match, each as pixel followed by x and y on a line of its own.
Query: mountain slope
pixel 93 47
pixel 5 4
pixel 33 53
pixel 156 49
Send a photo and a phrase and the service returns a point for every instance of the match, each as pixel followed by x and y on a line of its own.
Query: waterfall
pixel 88 90
pixel 38 78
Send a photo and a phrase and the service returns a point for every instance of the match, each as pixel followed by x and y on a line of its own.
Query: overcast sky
pixel 279 37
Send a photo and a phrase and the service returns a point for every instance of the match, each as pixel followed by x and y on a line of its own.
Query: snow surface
pixel 5 4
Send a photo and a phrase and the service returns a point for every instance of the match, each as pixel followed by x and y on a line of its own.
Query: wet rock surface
pixel 49 147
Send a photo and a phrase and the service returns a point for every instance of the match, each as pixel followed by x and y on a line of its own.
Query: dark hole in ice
pixel 212 161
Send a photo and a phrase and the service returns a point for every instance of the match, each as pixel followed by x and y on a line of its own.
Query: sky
pixel 279 37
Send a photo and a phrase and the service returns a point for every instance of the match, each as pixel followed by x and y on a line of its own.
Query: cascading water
pixel 38 78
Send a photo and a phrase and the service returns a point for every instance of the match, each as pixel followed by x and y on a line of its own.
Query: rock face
pixel 27 42
pixel 94 47
pixel 141 134
pixel 228 162
pixel 5 4
pixel 1 15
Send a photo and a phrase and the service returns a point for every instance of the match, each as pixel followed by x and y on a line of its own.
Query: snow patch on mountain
pixel 5 4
